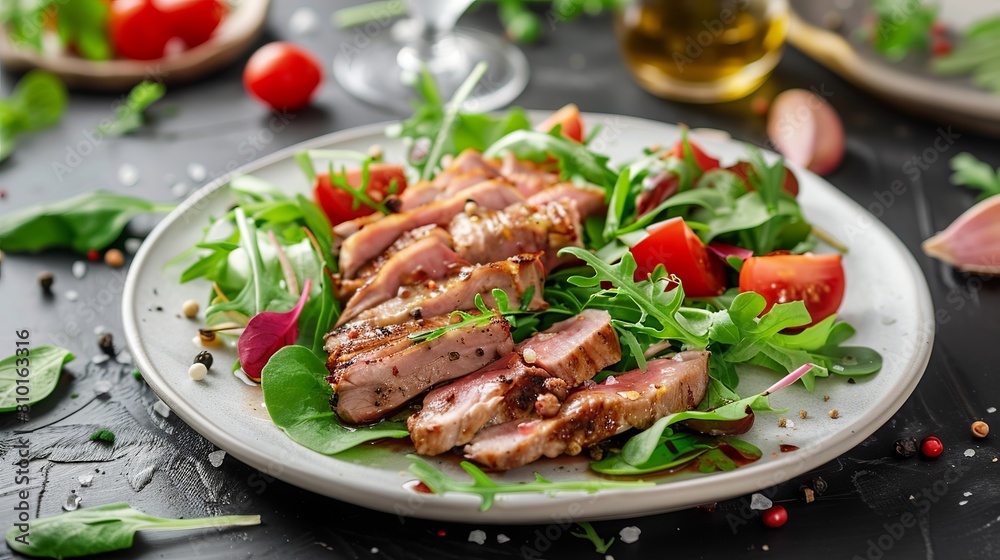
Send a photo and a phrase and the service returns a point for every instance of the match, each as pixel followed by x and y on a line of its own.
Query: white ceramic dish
pixel 887 300
pixel 235 35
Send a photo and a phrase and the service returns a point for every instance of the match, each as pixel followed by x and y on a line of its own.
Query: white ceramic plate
pixel 887 300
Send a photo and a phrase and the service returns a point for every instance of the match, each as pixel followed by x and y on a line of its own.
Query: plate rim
pixel 454 507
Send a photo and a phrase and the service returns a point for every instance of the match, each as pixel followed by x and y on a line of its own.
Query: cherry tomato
pixel 570 119
pixel 817 280
pixel 673 244
pixel 704 161
pixel 137 29
pixel 774 516
pixel 193 21
pixel 338 204
pixel 282 75
pixel 790 185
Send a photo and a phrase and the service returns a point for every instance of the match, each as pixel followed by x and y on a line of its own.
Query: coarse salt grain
pixel 161 408
pixel 86 480
pixel 100 359
pixel 215 458
pixel 124 357
pixel 963 502
pixel 128 175
pixel 197 172
pixel 79 269
pixel 630 534
pixel 71 295
pixel 132 245
pixel 502 538
pixel 970 452
pixel 102 387
pixel 303 21
pixel 966 494
pixel 374 550
pixel 760 502
pixel 991 409
pixel 478 537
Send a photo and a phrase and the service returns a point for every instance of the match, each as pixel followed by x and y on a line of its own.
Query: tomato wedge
pixel 339 204
pixel 817 280
pixel 789 185
pixel 570 119
pixel 673 244
pixel 704 161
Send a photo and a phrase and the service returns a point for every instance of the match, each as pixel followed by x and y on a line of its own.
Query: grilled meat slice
pixel 529 177
pixel 505 390
pixel 373 239
pixel 576 349
pixel 373 383
pixel 633 400
pixel 426 259
pixel 349 341
pixel 467 169
pixel 489 235
pixel 432 298
pixel 589 200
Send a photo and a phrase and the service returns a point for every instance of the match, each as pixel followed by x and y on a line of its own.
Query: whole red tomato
pixel 137 29
pixel 194 21
pixel 282 75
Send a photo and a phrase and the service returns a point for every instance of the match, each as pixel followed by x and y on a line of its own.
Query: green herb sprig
pixel 129 115
pixel 975 174
pixel 38 101
pixel 589 533
pixel 488 489
pixel 485 315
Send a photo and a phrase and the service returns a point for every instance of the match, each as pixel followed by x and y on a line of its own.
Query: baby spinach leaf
pixel 88 221
pixel 297 397
pixel 37 368
pixel 100 529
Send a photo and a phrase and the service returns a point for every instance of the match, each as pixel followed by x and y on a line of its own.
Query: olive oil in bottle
pixel 702 50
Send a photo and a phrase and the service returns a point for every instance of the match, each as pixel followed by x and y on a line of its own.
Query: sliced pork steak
pixel 373 239
pixel 469 168
pixel 503 391
pixel 432 298
pixel 373 383
pixel 427 259
pixel 635 399
pixel 487 235
pixel 576 349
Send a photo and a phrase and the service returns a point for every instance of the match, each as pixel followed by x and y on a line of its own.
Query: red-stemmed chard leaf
pixel 268 332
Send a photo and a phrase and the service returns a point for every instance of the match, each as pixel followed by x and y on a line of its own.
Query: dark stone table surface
pixel 162 466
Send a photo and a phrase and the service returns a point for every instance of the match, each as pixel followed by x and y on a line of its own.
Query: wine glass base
pixel 383 71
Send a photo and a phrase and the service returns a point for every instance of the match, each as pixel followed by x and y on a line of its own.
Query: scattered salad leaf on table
pixel 589 533
pixel 969 171
pixel 90 221
pixel 100 529
pixel 38 101
pixel 297 397
pixel 38 368
pixel 129 116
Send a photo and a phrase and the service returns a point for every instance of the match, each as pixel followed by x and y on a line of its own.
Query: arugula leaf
pixel 129 116
pixel 575 160
pixel 589 533
pixel 297 397
pixel 485 315
pixel 488 489
pixel 975 174
pixel 678 449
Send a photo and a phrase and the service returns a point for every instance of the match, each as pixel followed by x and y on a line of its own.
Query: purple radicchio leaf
pixel 268 332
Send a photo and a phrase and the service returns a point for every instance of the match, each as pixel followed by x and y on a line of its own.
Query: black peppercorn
pixel 106 343
pixel 906 447
pixel 205 358
pixel 45 280
pixel 819 485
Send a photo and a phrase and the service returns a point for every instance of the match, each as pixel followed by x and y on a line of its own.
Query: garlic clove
pixel 806 130
pixel 972 242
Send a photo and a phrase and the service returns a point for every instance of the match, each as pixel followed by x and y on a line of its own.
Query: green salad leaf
pixel 89 221
pixel 975 174
pixel 129 115
pixel 99 529
pixel 576 161
pixel 589 533
pixel 297 397
pixel 38 101
pixel 37 368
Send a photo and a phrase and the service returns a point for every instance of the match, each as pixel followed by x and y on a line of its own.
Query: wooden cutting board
pixel 909 83
pixel 238 31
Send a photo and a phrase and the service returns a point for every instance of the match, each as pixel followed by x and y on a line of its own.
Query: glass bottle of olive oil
pixel 702 51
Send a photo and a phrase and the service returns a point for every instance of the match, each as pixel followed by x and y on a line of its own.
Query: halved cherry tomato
pixel 338 204
pixel 137 29
pixel 282 75
pixel 673 244
pixel 704 161
pixel 193 21
pixel 817 280
pixel 570 119
pixel 789 185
